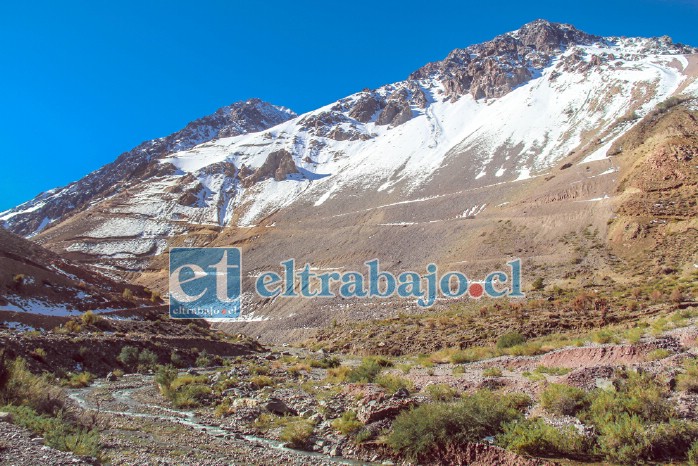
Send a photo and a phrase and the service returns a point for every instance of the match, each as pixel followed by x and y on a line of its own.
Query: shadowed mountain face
pixel 504 149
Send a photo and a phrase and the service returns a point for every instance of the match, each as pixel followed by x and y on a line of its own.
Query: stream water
pixel 137 409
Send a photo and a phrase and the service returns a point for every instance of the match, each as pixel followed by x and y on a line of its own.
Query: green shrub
pixel 338 374
pixel 393 383
pixel 537 438
pixel 656 355
pixel 492 372
pixel 90 318
pixel 203 360
pixel 630 440
pixel 39 353
pixel 348 423
pixel 510 339
pixel 326 363
pixel 688 381
pixel 38 405
pixel 127 294
pixel 563 399
pixel 634 335
pixel 261 381
pixel 635 422
pixel 604 336
pixel 176 360
pixel 636 395
pixel 366 372
pixel 147 359
pixel 693 454
pixel 57 431
pixel 672 439
pixel 82 379
pixel 187 379
pixel 191 396
pixel 525 349
pixel 441 392
pixel 537 284
pixel 427 428
pixel 476 353
pixel 20 387
pixel 128 356
pixel 533 376
pixel 296 433
pixel 164 376
pixel 363 435
pixel 552 370
pixel 624 440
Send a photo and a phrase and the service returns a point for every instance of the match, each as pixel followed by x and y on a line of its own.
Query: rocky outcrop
pixel 395 113
pixel 278 165
pixel 492 69
pixel 334 125
pixel 365 107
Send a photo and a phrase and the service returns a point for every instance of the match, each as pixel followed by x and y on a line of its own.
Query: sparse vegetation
pixel 510 339
pixel 127 294
pixel 37 405
pixel 563 399
pixel 79 380
pixel 393 383
pixel 128 356
pixel 441 392
pixel 204 359
pixel 366 372
pixel 348 423
pixel 428 429
pixel 90 318
pixel 537 438
pixel 297 433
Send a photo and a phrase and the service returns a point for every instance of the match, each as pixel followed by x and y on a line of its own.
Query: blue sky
pixel 81 82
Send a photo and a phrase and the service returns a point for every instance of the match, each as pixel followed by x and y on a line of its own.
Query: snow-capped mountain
pixel 139 164
pixel 396 171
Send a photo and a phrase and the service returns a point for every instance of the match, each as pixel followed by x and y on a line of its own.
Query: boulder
pixel 276 406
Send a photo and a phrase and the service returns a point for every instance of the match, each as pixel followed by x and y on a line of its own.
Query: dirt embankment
pixel 97 353
pixel 479 454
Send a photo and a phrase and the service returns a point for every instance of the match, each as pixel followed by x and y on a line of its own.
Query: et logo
pixel 205 283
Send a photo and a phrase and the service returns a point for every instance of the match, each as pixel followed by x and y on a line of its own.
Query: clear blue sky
pixel 81 82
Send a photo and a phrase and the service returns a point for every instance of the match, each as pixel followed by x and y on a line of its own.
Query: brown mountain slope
pixel 34 279
pixel 656 226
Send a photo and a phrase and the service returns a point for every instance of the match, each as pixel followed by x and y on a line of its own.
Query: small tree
pixel 128 356
pixel 164 376
pixel 147 359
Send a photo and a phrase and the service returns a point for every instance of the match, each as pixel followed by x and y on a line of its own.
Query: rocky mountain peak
pixel 142 162
pixel 545 36
pixel 493 68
